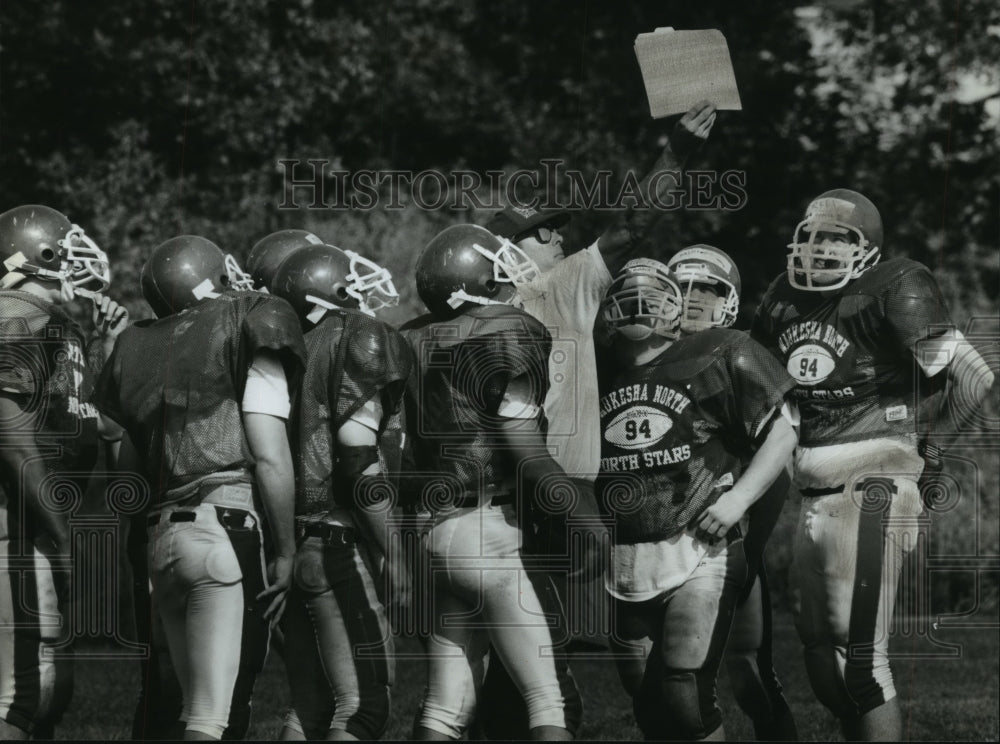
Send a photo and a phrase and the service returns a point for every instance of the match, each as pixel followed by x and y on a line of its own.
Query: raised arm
pixel 623 238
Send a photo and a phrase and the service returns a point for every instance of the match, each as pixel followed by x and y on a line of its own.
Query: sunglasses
pixel 541 234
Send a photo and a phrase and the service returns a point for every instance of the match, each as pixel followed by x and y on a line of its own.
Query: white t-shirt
pixel 566 300
pixel 266 390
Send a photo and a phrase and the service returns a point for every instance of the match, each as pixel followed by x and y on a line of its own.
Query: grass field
pixel 943 698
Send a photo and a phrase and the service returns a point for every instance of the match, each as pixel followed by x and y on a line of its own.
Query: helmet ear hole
pixel 224 280
pixel 47 254
pixel 491 287
pixel 341 293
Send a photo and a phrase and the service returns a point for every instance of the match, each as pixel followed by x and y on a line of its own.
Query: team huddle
pixel 567 452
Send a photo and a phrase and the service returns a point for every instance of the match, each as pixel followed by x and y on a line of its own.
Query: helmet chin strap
pixel 460 296
pixel 67 291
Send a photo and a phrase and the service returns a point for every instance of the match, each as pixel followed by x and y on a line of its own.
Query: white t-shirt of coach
pixel 566 299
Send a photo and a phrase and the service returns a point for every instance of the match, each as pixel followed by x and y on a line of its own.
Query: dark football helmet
pixel 188 269
pixel 318 278
pixel 838 241
pixel 39 241
pixel 643 300
pixel 468 263
pixel 268 253
pixel 710 287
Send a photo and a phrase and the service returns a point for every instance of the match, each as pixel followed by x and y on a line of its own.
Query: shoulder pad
pixel 21 314
pixel 269 322
pixel 375 348
pixel 495 318
pixel 884 275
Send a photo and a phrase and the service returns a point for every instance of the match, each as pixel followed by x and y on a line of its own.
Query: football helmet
pixel 39 241
pixel 188 269
pixel 644 299
pixel 838 241
pixel 268 253
pixel 322 277
pixel 468 263
pixel 701 269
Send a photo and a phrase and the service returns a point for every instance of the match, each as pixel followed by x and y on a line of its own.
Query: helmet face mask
pixel 510 263
pixel 85 263
pixel 238 278
pixel 370 284
pixel 838 241
pixel 710 286
pixel 642 301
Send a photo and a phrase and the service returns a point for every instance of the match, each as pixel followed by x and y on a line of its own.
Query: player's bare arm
pixel 268 442
pixel 765 467
pixel 355 437
pixel 969 380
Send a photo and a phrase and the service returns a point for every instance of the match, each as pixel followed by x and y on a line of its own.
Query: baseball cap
pixel 510 222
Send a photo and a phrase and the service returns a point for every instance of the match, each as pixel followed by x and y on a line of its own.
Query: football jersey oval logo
pixel 810 364
pixel 638 427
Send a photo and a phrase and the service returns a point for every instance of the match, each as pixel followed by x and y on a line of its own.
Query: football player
pixel 564 293
pixel 338 646
pixel 680 415
pixel 203 394
pixel 856 334
pixel 478 428
pixel 48 436
pixel 710 289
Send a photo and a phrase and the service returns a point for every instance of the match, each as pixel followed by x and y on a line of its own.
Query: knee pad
pixel 868 680
pixel 365 715
pixel 690 699
pixel 681 706
pixel 825 667
pixel 849 688
pixel 311 718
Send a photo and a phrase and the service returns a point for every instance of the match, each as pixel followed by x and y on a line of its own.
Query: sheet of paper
pixel 680 68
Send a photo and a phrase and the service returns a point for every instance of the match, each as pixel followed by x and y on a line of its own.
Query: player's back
pixel 176 383
pixel 463 367
pixel 352 360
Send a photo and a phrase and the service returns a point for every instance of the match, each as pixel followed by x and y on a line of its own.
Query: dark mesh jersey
pixel 44 365
pixel 675 430
pixel 463 368
pixel 176 383
pixel 351 359
pixel 851 355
